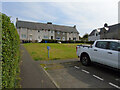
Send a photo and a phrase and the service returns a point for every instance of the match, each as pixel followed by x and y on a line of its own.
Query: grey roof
pixel 39 26
pixel 112 28
pixel 92 33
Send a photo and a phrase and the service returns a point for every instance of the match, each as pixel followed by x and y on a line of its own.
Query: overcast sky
pixel 85 14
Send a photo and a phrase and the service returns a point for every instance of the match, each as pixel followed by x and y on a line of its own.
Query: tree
pixel 80 37
pixel 85 36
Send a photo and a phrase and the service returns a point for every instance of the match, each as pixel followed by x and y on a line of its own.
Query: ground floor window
pixel 63 38
pixel 74 39
pixel 23 35
pixel 45 37
pixel 57 38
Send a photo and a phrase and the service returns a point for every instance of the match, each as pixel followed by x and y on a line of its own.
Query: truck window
pixel 101 44
pixel 114 46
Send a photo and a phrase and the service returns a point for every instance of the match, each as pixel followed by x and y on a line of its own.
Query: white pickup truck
pixel 105 52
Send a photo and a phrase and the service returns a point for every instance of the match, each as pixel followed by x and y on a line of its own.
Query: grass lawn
pixel 38 51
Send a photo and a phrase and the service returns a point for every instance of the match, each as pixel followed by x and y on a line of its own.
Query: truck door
pixel 112 54
pixel 100 52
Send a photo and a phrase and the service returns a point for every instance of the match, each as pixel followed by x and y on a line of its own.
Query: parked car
pixel 105 52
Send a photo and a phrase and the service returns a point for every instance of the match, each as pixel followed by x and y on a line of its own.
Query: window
pixel 57 38
pixel 51 31
pixel 38 37
pixel 101 44
pixel 96 34
pixel 63 33
pixel 63 38
pixel 23 36
pixel 74 38
pixel 45 37
pixel 30 36
pixel 114 46
pixel 58 32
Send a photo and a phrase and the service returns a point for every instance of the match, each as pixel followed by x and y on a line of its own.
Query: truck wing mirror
pixel 91 45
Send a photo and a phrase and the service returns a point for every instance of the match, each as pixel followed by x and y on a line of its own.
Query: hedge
pixel 10 53
pixel 69 41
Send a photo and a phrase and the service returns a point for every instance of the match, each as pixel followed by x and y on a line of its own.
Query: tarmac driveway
pixel 71 74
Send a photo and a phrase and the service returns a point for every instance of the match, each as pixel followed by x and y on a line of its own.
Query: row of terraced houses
pixel 38 31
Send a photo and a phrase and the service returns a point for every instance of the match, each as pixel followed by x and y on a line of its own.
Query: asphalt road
pixel 32 75
pixel 97 75
pixel 72 74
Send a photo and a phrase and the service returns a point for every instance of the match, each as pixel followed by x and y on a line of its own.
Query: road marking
pixel 98 77
pixel 77 67
pixel 114 85
pixel 85 71
pixel 117 79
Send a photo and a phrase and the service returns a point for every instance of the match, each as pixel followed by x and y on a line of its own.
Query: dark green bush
pixel 69 41
pixel 49 41
pixel 10 53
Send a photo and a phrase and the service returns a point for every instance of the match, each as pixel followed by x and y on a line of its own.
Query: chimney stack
pixel 16 19
pixel 105 25
pixel 49 22
pixel 74 26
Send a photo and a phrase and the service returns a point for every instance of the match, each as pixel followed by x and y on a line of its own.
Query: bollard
pixel 48 48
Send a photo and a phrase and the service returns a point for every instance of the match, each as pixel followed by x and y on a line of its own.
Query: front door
pixel 51 37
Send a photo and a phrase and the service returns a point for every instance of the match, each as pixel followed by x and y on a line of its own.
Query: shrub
pixel 10 53
pixel 69 41
pixel 49 41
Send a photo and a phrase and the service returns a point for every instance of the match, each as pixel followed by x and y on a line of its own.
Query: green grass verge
pixel 38 51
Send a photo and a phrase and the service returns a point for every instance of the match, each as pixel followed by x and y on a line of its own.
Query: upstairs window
pixel 58 32
pixel 51 31
pixel 63 33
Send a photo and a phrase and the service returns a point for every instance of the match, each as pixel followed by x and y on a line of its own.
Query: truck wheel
pixel 85 60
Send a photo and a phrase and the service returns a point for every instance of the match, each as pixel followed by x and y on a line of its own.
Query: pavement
pixel 32 74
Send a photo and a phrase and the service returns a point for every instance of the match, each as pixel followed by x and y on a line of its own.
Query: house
pixel 94 35
pixel 107 32
pixel 37 31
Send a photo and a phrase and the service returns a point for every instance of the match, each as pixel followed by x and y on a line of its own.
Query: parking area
pixel 71 74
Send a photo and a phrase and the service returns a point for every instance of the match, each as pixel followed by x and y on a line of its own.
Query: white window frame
pixel 58 32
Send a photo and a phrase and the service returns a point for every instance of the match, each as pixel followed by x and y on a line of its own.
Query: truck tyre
pixel 85 60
